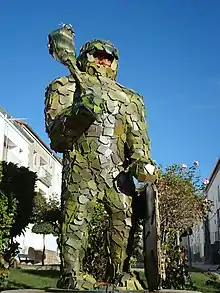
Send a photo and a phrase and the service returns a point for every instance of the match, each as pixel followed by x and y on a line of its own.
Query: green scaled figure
pixel 100 128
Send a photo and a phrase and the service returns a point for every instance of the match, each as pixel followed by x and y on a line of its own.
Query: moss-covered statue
pixel 100 128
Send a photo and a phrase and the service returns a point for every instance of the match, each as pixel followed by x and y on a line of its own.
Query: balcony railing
pixel 44 176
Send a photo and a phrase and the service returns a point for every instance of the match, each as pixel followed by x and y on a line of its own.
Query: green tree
pixel 7 216
pixel 182 205
pixel 182 201
pixel 43 228
pixel 45 217
pixel 18 183
pixel 17 194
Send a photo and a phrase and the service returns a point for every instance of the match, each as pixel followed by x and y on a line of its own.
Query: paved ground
pixel 206 267
pixel 201 266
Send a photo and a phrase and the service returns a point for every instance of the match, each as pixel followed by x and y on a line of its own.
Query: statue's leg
pixel 121 232
pixel 119 208
pixel 78 206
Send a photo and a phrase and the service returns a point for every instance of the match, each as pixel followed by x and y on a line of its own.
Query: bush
pixel 16 203
pixel 96 257
pixel 182 205
pixel 7 212
pixel 177 275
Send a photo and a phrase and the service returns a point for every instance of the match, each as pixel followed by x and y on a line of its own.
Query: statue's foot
pixel 130 281
pixel 80 282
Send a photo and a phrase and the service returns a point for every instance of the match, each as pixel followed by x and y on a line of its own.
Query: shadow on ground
pixel 14 285
pixel 43 273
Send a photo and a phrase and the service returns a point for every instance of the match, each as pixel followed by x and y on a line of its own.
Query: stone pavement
pixel 206 267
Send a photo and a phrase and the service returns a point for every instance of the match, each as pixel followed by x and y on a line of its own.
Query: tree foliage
pixel 18 184
pixel 16 202
pixel 46 215
pixel 176 272
pixel 181 199
pixel 182 205
pixel 43 228
pixel 7 212
pixel 96 257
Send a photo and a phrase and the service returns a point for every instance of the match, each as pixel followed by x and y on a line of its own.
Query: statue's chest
pixel 110 94
pixel 111 124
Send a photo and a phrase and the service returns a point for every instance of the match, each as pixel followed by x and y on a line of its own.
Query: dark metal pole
pixel 151 260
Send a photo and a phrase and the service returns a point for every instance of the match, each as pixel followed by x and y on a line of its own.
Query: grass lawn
pixel 38 279
pixel 200 279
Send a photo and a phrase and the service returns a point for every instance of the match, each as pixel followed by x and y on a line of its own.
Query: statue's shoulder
pixel 59 95
pixel 61 85
pixel 131 92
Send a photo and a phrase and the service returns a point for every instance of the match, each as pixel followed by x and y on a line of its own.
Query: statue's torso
pixel 102 146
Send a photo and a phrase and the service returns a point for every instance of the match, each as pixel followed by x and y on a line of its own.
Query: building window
pixel 9 146
pixel 44 175
pixel 35 158
pixel 43 163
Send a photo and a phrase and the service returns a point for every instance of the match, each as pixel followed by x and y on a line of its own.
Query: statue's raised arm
pixel 61 46
pixel 66 118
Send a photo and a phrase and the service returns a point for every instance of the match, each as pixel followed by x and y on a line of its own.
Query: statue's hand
pixel 148 176
pixel 148 173
pixel 77 118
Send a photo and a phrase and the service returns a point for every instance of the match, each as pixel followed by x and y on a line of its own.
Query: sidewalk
pixel 205 267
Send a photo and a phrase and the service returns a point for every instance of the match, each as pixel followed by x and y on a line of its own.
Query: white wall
pixel 212 195
pixel 197 240
pixel 54 167
pixel 56 179
pixel 18 145
pixel 36 241
pixel 2 130
pixel 22 143
pixel 42 188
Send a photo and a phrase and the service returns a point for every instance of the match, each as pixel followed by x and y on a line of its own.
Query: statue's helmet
pixel 86 60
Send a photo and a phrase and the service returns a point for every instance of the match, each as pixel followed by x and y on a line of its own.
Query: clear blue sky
pixel 169 52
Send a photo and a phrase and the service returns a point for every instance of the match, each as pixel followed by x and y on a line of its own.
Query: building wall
pixel 47 167
pixel 14 146
pixel 197 242
pixel 36 241
pixel 49 172
pixel 2 131
pixel 21 146
pixel 213 194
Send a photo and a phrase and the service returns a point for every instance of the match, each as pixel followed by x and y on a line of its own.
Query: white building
pixel 213 194
pixel 197 243
pixel 14 146
pixel 21 145
pixel 205 240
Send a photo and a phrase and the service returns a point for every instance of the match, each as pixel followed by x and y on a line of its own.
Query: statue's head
pixel 99 58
